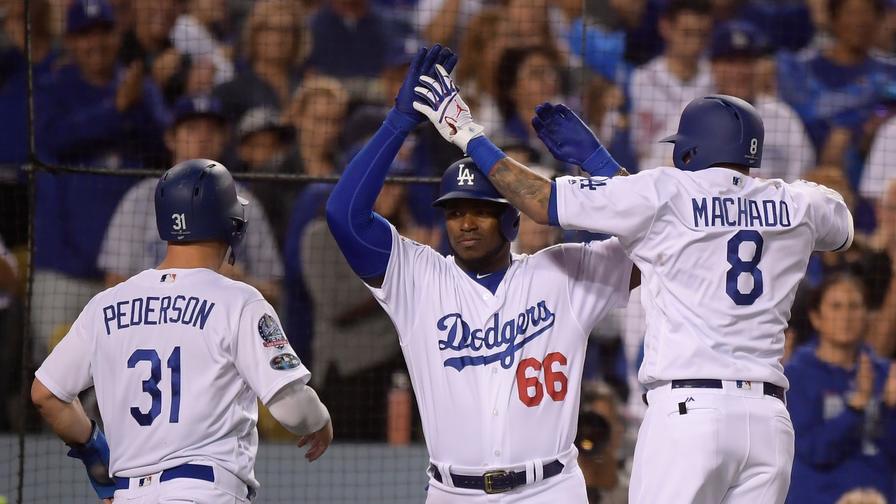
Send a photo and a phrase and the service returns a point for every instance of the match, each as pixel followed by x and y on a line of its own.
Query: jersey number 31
pixel 151 385
pixel 740 267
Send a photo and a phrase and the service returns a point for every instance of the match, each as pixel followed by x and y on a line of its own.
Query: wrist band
pixel 601 164
pixel 484 153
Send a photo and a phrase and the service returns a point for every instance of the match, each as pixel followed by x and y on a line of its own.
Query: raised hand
pixel 571 141
pixel 422 64
pixel 439 100
pixel 864 383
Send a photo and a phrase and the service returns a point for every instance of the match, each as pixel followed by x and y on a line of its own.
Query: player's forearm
pixel 526 190
pixel 298 409
pixel 67 420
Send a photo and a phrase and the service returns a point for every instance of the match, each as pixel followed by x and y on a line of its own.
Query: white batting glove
pixel 438 99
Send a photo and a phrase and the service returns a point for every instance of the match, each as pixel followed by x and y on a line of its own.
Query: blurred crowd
pixel 297 86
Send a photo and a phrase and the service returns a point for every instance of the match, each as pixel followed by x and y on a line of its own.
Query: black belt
pixel 769 389
pixel 493 482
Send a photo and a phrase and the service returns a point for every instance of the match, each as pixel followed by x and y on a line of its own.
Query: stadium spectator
pixel 147 40
pixel 868 259
pixel 607 31
pixel 92 112
pixel 735 53
pixel 882 336
pixel 862 496
pixel 606 113
pixel 14 103
pixel 787 24
pixel 837 90
pixel 878 172
pixel 13 71
pixel 599 440
pixel 199 33
pixel 317 113
pixel 132 243
pixel 527 77
pixel 9 331
pixel 350 41
pixel 843 402
pixel 263 145
pixel 272 43
pixel 660 89
pixel 446 21
pixel 355 345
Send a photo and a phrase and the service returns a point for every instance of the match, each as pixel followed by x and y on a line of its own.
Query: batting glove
pixel 95 455
pixel 422 64
pixel 439 100
pixel 571 141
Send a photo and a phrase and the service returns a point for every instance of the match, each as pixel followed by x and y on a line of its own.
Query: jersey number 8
pixel 739 267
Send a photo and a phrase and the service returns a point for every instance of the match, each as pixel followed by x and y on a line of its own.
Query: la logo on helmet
pixel 464 176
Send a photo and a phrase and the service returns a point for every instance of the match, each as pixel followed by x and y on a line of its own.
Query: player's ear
pixel 169 139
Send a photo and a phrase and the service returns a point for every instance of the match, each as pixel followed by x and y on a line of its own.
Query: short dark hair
pixel 676 7
pixel 830 281
pixel 506 77
pixel 834 6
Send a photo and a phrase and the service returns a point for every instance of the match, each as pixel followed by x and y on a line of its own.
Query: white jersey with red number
pixel 178 358
pixel 497 376
pixel 721 255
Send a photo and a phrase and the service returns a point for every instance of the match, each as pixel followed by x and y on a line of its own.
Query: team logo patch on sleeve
pixel 270 332
pixel 285 361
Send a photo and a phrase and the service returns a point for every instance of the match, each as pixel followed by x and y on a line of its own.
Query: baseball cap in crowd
pixel 738 39
pixel 258 119
pixel 85 14
pixel 188 107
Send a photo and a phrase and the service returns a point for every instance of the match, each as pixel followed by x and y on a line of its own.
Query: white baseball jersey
pixel 721 255
pixel 497 376
pixel 178 358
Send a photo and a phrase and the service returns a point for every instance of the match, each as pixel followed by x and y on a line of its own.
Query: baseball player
pixel 179 356
pixel 494 342
pixel 722 254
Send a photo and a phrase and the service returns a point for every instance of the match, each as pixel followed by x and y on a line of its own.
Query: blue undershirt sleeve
pixel 365 237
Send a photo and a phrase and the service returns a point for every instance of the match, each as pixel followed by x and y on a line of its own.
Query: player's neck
pixel 838 355
pixel 209 255
pixel 490 264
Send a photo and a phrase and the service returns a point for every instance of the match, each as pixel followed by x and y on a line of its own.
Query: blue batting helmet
pixel 196 200
pixel 463 180
pixel 717 129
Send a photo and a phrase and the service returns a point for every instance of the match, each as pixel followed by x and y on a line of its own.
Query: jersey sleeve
pixel 830 216
pixel 599 277
pixel 66 372
pixel 410 265
pixel 620 206
pixel 262 353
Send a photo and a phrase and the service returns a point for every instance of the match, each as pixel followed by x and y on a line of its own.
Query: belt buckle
pixel 487 477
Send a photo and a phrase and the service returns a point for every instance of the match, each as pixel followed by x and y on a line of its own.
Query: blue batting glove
pixel 423 64
pixel 95 455
pixel 571 141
